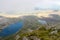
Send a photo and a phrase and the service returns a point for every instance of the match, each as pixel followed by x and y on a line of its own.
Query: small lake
pixel 11 29
pixel 42 21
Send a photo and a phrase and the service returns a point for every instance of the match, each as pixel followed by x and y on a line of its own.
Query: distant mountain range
pixel 36 13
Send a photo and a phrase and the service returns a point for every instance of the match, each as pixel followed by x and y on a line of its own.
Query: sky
pixel 11 6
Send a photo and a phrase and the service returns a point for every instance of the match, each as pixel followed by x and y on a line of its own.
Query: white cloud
pixel 26 5
pixel 48 4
